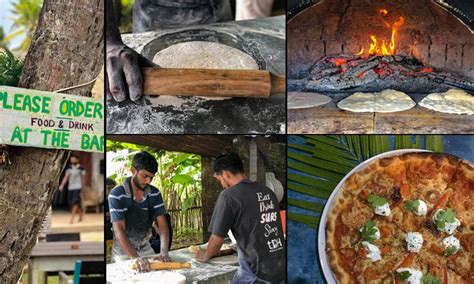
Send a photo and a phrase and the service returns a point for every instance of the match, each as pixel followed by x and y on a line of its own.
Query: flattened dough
pixel 358 102
pixel 452 101
pixel 385 101
pixel 205 55
pixel 298 100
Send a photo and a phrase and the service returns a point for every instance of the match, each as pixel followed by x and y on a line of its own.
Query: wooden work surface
pixel 329 119
pixel 64 248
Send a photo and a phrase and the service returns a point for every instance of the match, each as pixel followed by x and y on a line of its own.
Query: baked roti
pixel 404 219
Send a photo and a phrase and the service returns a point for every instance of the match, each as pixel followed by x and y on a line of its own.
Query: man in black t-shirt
pixel 250 210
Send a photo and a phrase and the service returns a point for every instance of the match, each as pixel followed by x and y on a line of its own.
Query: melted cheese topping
pixel 374 252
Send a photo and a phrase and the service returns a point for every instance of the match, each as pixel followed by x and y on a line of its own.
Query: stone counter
pixel 263 39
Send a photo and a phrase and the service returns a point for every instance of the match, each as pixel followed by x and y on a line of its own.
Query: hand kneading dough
pixel 204 55
pixel 385 101
pixel 297 100
pixel 453 101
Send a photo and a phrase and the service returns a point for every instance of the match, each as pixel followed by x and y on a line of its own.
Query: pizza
pixel 404 219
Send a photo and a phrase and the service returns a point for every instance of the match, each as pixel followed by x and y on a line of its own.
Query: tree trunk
pixel 66 50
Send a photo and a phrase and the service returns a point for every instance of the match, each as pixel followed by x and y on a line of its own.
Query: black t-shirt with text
pixel 251 211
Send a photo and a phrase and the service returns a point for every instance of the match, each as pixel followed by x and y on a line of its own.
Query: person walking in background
pixel 75 177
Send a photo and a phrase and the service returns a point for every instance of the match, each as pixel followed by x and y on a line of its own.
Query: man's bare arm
pixel 63 183
pixel 163 231
pixel 119 232
pixel 213 247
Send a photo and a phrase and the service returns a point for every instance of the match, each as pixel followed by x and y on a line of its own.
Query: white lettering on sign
pixel 51 120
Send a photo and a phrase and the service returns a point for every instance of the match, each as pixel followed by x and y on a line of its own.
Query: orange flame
pixel 381 47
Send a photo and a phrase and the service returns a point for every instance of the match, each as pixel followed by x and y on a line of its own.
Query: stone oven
pixel 341 31
pixel 419 47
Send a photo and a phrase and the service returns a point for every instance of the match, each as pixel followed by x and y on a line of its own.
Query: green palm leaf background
pixel 317 165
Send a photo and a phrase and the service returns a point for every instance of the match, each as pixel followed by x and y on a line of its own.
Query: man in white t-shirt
pixel 75 175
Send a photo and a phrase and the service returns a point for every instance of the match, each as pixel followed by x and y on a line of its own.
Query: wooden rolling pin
pixel 212 82
pixel 165 265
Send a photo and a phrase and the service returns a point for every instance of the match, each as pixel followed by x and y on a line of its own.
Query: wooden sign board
pixel 51 120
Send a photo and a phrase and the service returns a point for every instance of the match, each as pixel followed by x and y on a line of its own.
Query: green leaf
pixel 430 279
pixel 182 179
pixel 450 250
pixel 377 201
pixel 412 205
pixel 434 143
pixel 368 231
pixel 333 166
pixel 310 221
pixel 311 181
pixel 312 191
pixel 404 275
pixel 443 217
pixel 326 174
pixel 317 207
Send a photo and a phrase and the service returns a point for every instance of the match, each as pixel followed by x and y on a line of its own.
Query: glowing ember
pixel 382 47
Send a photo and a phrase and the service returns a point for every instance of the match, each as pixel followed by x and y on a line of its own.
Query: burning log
pixel 376 73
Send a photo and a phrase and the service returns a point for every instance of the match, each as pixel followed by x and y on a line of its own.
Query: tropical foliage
pixel 10 68
pixel 126 16
pixel 179 180
pixel 317 166
pixel 25 18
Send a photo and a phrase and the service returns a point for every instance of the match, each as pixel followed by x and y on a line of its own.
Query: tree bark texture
pixel 66 50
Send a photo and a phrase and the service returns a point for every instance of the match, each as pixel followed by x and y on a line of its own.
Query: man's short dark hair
pixel 228 162
pixel 74 156
pixel 145 161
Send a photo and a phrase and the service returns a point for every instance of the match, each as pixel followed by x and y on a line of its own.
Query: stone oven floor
pixel 329 119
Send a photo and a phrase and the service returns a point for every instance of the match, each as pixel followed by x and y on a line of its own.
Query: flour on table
pixel 158 277
pixel 203 55
pixel 452 101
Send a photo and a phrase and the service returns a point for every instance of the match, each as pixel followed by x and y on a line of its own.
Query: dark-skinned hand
pixel 124 77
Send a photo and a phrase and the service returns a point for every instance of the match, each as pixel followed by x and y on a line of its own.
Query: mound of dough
pixel 298 100
pixel 204 55
pixel 452 101
pixel 385 101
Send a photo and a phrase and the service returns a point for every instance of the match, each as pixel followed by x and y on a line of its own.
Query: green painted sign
pixel 51 120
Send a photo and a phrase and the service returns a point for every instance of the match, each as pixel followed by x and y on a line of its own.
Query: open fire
pixel 382 46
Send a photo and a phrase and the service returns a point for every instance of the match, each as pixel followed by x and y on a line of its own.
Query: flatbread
pixel 358 102
pixel 204 55
pixel 298 100
pixel 385 101
pixel 441 181
pixel 392 101
pixel 452 101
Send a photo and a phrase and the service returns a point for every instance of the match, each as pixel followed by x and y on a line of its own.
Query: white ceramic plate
pixel 322 223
